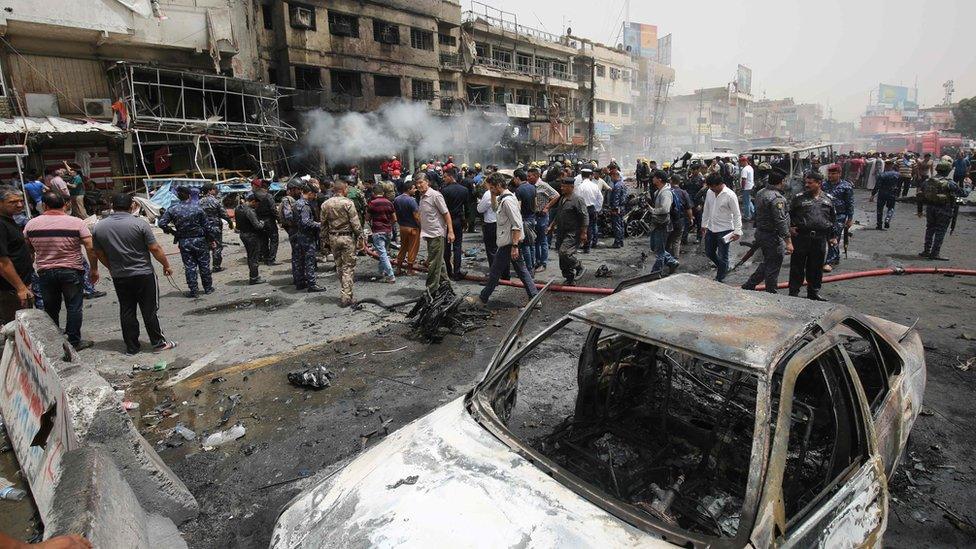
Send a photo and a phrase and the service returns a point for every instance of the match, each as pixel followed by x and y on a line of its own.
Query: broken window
pixel 422 90
pixel 500 97
pixel 477 95
pixel 341 24
pixel 386 33
pixel 421 39
pixel 874 360
pixel 667 433
pixel 523 62
pixel 448 86
pixel 601 71
pixel 347 83
pixel 386 86
pixel 601 106
pixel 502 58
pixel 308 78
pixel 523 97
pixel 301 16
pixel 481 49
pixel 827 443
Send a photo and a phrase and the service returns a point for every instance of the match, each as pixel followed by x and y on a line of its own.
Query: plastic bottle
pixel 12 494
pixel 222 437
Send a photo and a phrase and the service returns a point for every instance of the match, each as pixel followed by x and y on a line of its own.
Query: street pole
pixel 590 126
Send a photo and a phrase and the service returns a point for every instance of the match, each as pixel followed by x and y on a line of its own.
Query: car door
pixel 825 484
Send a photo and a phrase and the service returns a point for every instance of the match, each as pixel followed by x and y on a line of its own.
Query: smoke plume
pixel 396 127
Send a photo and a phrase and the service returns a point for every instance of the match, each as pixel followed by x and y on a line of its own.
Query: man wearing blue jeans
pixel 747 181
pixel 661 220
pixel 545 198
pixel 509 235
pixel 720 217
pixel 56 239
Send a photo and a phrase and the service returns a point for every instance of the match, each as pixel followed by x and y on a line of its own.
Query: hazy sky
pixel 832 52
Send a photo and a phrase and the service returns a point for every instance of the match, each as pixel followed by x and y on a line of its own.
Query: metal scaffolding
pixel 174 101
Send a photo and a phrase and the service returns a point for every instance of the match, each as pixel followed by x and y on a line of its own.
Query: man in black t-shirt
pixel 15 258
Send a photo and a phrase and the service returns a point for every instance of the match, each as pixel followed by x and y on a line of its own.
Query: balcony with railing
pixel 511 27
pixel 534 71
pixel 451 60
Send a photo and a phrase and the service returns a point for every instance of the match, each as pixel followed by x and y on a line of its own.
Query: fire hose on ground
pixel 897 271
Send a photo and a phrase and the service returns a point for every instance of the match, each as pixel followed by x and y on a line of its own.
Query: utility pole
pixel 590 127
pixel 698 122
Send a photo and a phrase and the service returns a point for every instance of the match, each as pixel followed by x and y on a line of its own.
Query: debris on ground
pixel 223 437
pixel 218 379
pixel 435 316
pixel 159 366
pixel 603 271
pixel 382 430
pixel 9 493
pixel 183 431
pixel 314 377
pixel 229 410
pixel 965 366
pixel 129 405
pixel 409 481
pixel 961 523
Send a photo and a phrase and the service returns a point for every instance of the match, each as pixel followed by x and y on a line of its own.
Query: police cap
pixel 295 184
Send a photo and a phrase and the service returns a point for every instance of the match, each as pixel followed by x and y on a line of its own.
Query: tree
pixel 965 113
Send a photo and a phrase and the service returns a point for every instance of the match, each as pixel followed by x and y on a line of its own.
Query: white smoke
pixel 396 127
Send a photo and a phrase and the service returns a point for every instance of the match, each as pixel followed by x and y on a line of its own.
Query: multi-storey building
pixel 614 89
pixel 174 76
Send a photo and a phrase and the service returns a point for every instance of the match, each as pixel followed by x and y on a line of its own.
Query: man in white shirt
pixel 488 230
pixel 747 182
pixel 509 233
pixel 589 191
pixel 721 223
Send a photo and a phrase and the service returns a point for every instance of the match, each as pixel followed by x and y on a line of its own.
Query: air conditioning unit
pixel 302 18
pixel 98 108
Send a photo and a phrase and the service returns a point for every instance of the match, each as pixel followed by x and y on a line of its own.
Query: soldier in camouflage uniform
pixel 341 226
pixel 938 195
pixel 841 193
pixel 214 211
pixel 304 230
pixel 193 239
pixel 772 233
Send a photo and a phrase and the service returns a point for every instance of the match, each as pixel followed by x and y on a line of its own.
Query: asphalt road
pixel 245 339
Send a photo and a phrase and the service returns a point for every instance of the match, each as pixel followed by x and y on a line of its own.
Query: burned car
pixel 677 412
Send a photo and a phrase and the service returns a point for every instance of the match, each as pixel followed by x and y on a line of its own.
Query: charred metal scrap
pixel 437 315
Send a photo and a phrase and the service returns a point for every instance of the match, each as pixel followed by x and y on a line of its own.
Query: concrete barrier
pixel 67 426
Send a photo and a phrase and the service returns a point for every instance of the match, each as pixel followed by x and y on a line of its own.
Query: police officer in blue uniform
pixel 193 239
pixel 841 193
pixel 617 202
pixel 887 188
pixel 303 237
pixel 812 226
pixel 214 211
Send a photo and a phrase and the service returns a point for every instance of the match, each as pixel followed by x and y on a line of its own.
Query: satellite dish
pixel 628 49
pixel 569 31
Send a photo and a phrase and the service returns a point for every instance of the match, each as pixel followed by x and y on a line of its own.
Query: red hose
pixel 782 285
pixel 884 272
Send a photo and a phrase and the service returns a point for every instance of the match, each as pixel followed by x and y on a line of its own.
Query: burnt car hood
pixel 445 481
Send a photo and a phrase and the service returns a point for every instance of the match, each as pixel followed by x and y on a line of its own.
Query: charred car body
pixel 702 417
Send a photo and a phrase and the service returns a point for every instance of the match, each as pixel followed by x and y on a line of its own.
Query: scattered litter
pixel 248 449
pixel 8 492
pixel 962 523
pixel 184 432
pixel 229 410
pixel 159 366
pixel 409 481
pixel 918 516
pixel 218 379
pixel 129 405
pixel 967 365
pixel 389 351
pixel 383 430
pixel 223 437
pixel 967 336
pixel 313 377
pixel 603 271
pixel 362 410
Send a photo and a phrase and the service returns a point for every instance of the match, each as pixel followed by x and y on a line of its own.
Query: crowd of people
pixel 51 257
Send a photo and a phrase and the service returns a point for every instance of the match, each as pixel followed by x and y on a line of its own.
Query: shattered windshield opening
pixel 661 430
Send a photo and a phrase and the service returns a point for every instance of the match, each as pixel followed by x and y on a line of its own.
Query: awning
pixel 54 124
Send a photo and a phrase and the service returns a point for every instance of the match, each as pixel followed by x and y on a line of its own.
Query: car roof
pixel 709 319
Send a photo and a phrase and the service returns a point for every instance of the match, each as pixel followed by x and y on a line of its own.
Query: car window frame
pixel 479 405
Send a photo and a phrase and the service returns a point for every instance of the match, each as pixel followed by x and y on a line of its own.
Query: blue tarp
pixel 165 193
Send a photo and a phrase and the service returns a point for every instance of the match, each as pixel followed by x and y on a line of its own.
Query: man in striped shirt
pixel 56 239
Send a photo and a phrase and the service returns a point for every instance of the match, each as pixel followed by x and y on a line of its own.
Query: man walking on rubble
pixel 511 223
pixel 886 188
pixel 340 225
pixel 721 223
pixel 772 233
pixel 187 223
pixel 570 220
pixel 215 212
pixel 437 230
pixel 125 244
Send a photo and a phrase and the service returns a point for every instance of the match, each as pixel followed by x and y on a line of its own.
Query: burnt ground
pixel 293 433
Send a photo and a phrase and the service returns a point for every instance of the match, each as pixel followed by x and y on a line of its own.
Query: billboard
pixel 641 39
pixel 664 50
pixel 743 80
pixel 897 97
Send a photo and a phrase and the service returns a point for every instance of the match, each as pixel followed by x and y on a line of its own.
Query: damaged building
pixel 137 88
